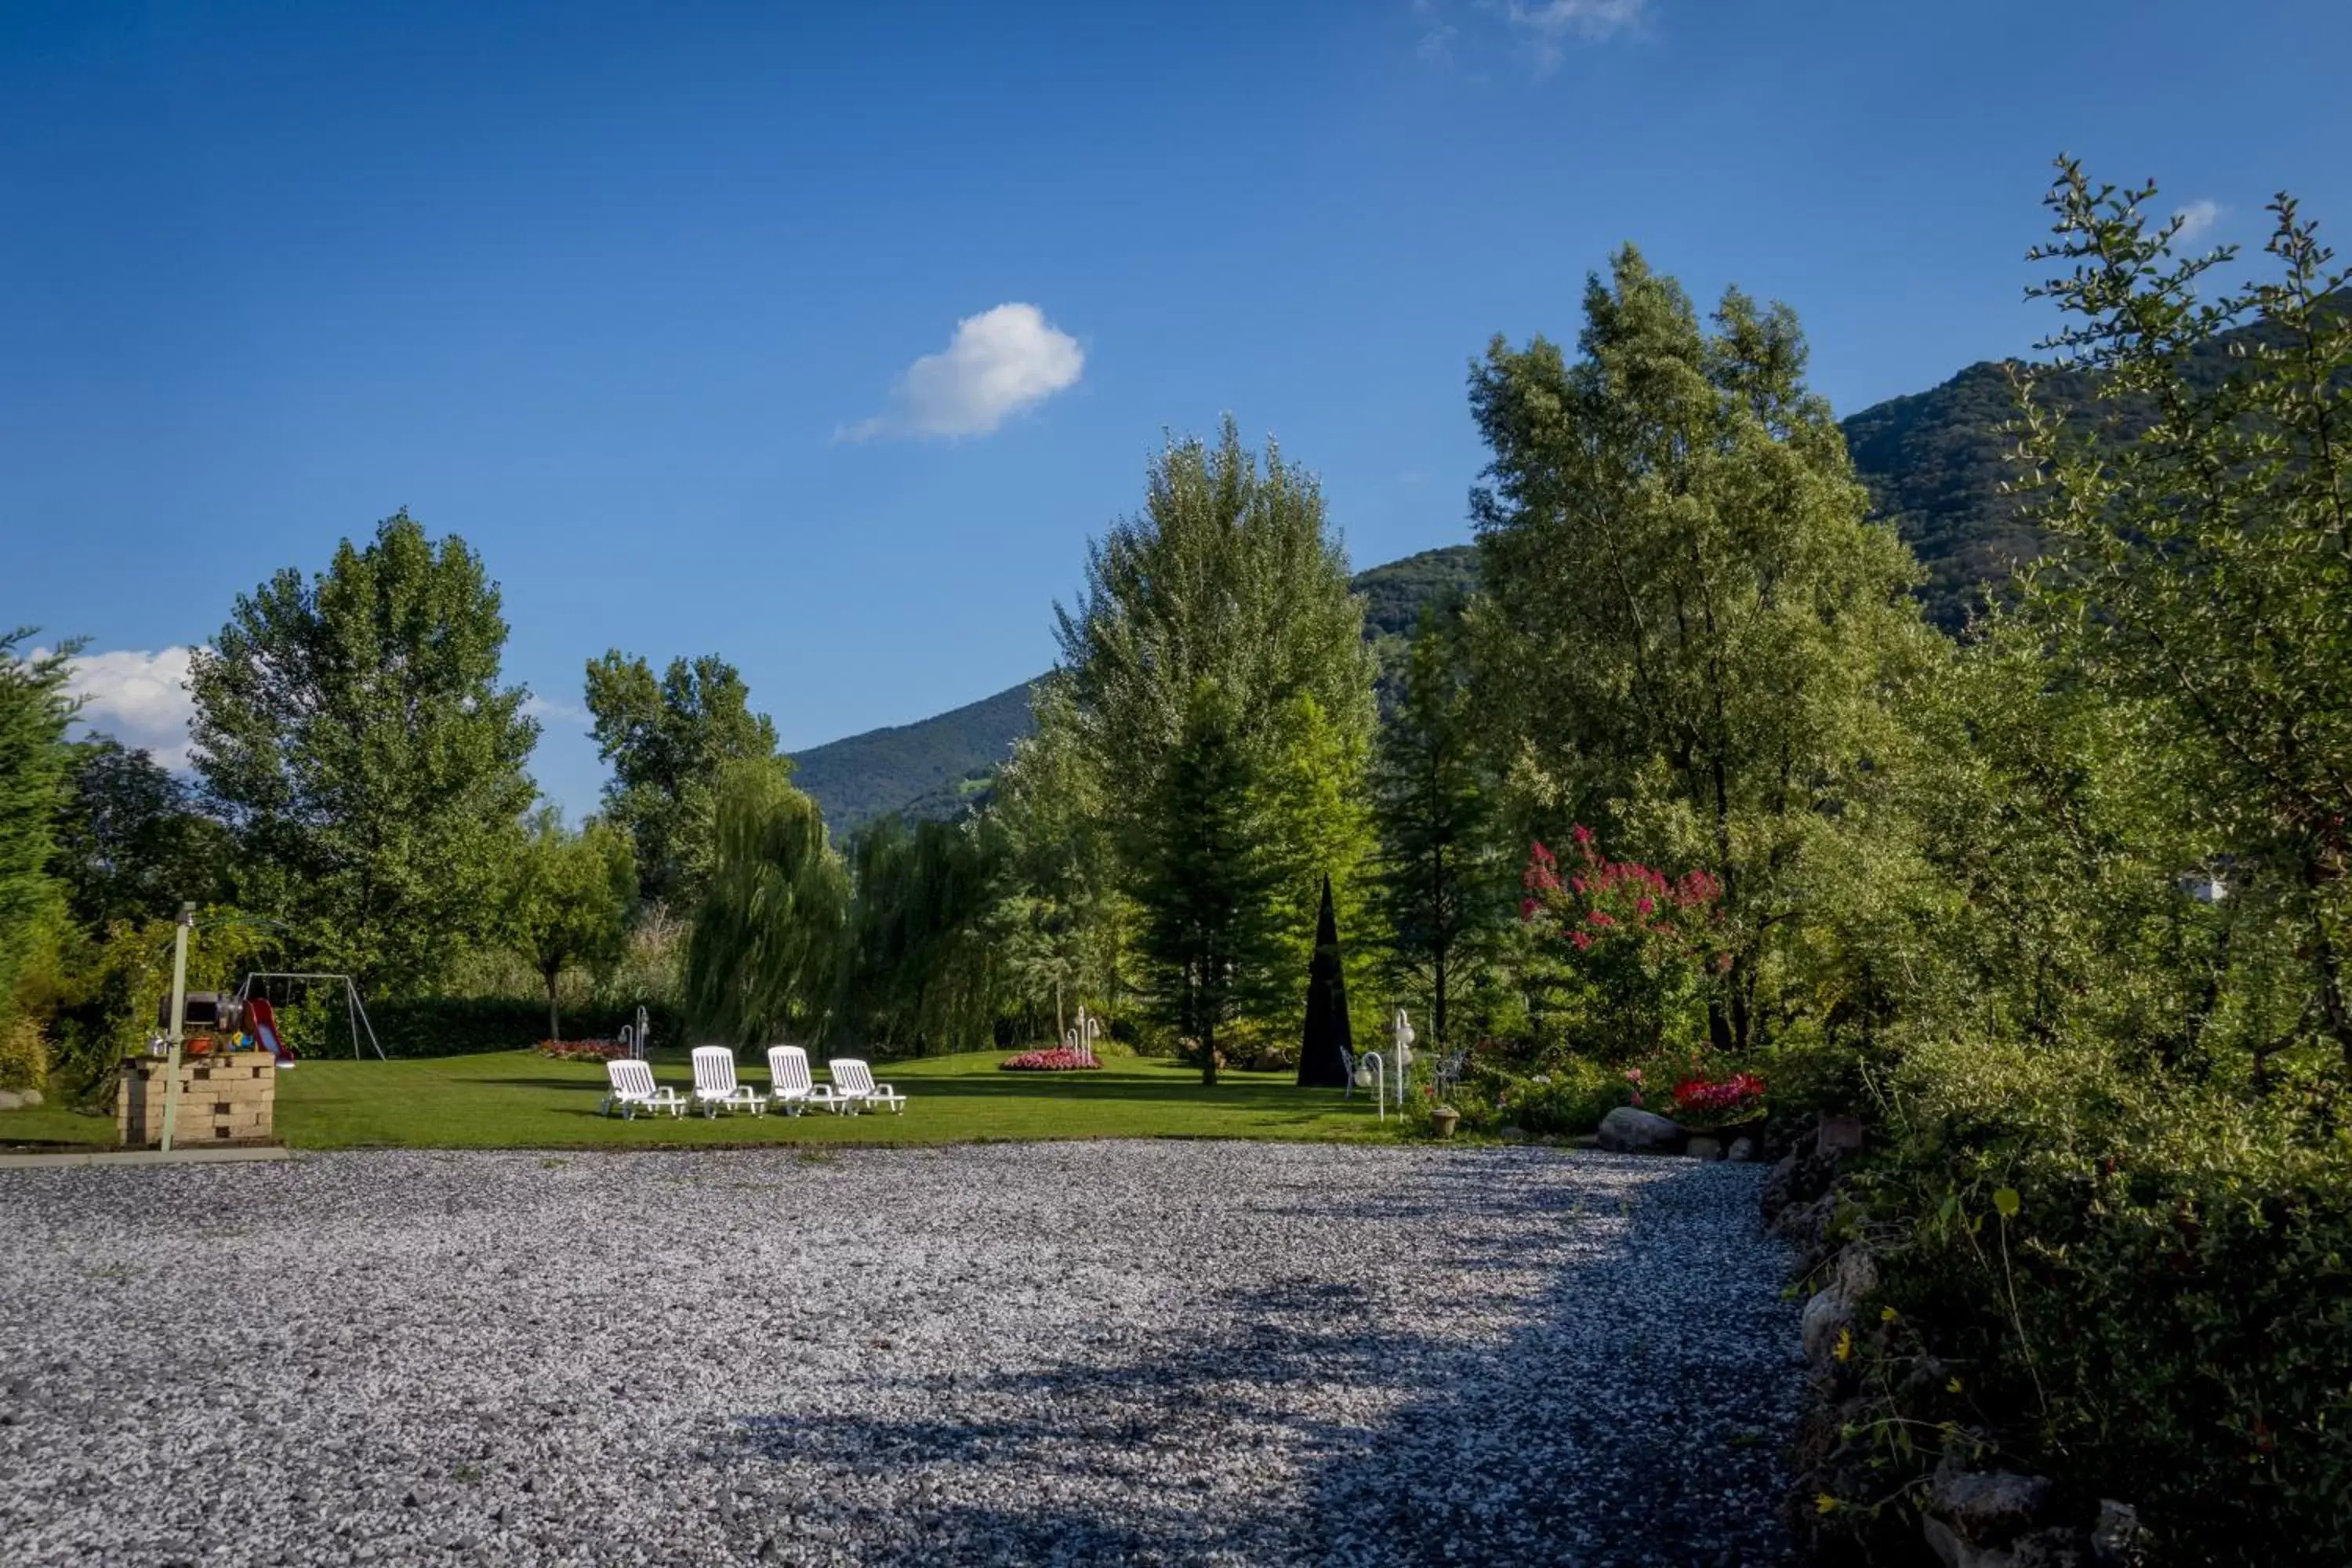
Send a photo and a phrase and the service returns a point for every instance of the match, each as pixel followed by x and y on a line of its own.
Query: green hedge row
pixel 462 1026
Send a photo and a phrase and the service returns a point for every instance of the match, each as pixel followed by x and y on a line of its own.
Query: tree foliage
pixel 762 963
pixel 2205 559
pixel 1441 887
pixel 353 731
pixel 1689 628
pixel 923 975
pixel 34 713
pixel 571 901
pixel 132 845
pixel 667 739
pixel 1217 632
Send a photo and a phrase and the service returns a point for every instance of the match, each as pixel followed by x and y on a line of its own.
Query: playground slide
pixel 263 1021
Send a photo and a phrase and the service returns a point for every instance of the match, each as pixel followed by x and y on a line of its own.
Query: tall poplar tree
pixel 352 731
pixel 1689 625
pixel 1215 683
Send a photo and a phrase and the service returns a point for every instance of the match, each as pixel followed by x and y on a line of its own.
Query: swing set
pixel 354 1010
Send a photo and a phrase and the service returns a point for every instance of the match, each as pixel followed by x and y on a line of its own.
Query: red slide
pixel 264 1021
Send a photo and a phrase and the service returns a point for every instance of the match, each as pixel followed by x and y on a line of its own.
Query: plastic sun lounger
pixel 715 1088
pixel 633 1090
pixel 854 1087
pixel 790 1084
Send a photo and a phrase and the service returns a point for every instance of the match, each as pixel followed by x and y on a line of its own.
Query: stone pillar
pixel 226 1097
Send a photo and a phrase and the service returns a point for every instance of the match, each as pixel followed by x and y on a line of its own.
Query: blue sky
pixel 692 318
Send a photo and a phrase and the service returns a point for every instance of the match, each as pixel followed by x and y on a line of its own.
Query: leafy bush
pixel 1570 1098
pixel 24 1055
pixel 2138 1285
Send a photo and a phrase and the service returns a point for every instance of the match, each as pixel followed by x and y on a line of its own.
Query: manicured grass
pixel 521 1100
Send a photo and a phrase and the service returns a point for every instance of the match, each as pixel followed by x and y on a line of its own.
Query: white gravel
pixel 1042 1354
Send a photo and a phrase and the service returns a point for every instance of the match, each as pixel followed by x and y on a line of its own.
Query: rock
pixel 1826 1312
pixel 2119 1540
pixel 1987 1507
pixel 1629 1131
pixel 1838 1135
pixel 1948 1548
pixel 1703 1149
pixel 1512 1134
pixel 29 1096
pixel 9 1101
pixel 1742 1150
pixel 2054 1548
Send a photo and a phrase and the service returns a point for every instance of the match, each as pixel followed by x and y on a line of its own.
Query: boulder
pixel 29 1096
pixel 1742 1150
pixel 9 1101
pixel 1838 1135
pixel 1630 1130
pixel 2119 1540
pixel 1703 1149
pixel 1987 1508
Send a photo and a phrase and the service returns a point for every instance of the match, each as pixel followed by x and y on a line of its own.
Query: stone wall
pixel 223 1100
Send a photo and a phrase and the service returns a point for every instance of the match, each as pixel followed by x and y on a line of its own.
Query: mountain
pixel 1934 462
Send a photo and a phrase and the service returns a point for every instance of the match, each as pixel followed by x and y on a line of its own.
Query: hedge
pixel 463 1026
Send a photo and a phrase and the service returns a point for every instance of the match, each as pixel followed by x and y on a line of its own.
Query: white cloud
pixel 2197 218
pixel 548 710
pixel 998 364
pixel 1541 30
pixel 1547 27
pixel 140 699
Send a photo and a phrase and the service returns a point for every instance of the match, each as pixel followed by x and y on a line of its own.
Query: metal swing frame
pixel 354 1010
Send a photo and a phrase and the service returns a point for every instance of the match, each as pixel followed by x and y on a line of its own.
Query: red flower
pixel 1583 939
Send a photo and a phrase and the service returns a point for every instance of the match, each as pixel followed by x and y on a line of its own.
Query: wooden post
pixel 186 923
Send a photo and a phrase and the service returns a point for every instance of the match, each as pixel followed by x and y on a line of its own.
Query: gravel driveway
pixel 1039 1353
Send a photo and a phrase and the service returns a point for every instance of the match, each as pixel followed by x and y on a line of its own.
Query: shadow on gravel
pixel 1630 1410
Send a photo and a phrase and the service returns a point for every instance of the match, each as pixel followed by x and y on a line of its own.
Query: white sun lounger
pixel 715 1088
pixel 633 1090
pixel 854 1087
pixel 790 1084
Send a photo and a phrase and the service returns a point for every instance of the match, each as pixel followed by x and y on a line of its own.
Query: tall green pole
pixel 179 1018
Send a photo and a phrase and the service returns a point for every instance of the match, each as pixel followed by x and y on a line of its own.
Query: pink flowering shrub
pixel 1055 1058
pixel 1719 1102
pixel 1641 948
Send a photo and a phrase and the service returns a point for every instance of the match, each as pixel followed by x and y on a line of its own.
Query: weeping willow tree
pixel 920 974
pixel 764 956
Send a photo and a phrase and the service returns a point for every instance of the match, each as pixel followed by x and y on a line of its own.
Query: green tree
pixel 667 739
pixel 1217 630
pixel 2204 564
pixel 1439 889
pixel 34 714
pixel 1689 628
pixel 1205 882
pixel 763 960
pixel 132 845
pixel 923 974
pixel 570 899
pixel 1060 923
pixel 353 731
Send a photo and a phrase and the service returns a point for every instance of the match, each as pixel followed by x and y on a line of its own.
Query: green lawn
pixel 520 1100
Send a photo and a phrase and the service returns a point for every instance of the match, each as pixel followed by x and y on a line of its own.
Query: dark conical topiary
pixel 1323 1053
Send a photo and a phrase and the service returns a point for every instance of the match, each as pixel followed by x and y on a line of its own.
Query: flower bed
pixel 582 1050
pixel 1058 1058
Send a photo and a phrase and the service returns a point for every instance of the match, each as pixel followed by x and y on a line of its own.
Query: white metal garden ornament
pixel 1382 1073
pixel 1080 1041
